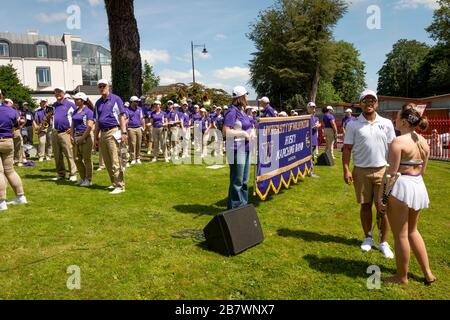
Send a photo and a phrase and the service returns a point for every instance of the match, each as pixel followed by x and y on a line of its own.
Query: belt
pixel 62 131
pixel 5 138
pixel 109 129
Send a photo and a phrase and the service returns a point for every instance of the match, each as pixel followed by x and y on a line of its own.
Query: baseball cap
pixel 67 96
pixel 203 110
pixel 7 100
pixel 239 91
pixel 176 105
pixel 330 108
pixel 80 95
pixel 366 93
pixel 185 103
pixel 311 104
pixel 264 99
pixel 189 100
pixel 60 88
pixel 348 110
pixel 43 100
pixel 219 108
pixel 225 107
pixel 143 98
pixel 25 104
pixel 134 99
pixel 283 114
pixel 103 81
pixel 196 106
pixel 157 102
pixel 126 104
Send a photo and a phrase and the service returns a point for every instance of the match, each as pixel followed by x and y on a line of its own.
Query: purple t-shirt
pixel 158 119
pixel 174 116
pixel 186 118
pixel 39 115
pixel 80 119
pixel 268 112
pixel 346 120
pixel 107 111
pixel 238 120
pixel 327 118
pixel 62 118
pixel 135 117
pixel 8 121
pixel 315 131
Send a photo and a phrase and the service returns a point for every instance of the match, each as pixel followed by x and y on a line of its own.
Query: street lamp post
pixel 204 51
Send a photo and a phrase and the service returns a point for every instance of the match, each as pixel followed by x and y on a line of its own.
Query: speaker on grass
pixel 324 160
pixel 234 231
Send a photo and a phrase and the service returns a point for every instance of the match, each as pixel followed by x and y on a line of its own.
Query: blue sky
pixel 168 26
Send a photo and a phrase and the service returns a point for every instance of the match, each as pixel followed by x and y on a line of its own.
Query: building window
pixel 4 49
pixel 43 76
pixel 91 74
pixel 42 51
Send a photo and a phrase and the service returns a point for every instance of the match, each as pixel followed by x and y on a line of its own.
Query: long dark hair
pixel 413 117
pixel 89 104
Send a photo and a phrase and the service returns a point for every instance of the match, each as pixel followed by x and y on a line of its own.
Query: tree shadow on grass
pixel 317 237
pixel 38 177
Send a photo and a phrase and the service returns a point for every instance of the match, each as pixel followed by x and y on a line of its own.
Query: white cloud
pixel 220 36
pixel 155 56
pixel 414 4
pixel 169 76
pixel 94 3
pixel 229 73
pixel 54 17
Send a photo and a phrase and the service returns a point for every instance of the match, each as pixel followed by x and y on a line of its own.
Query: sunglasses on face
pixel 369 101
pixel 102 86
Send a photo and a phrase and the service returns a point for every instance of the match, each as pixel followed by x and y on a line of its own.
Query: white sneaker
pixel 367 244
pixel 3 205
pixel 154 160
pixel 132 162
pixel 167 160
pixel 117 191
pixel 41 159
pixel 110 188
pixel 138 161
pixel 78 183
pixel 18 200
pixel 85 183
pixel 313 175
pixel 73 178
pixel 48 158
pixel 149 152
pixel 386 250
pixel 58 178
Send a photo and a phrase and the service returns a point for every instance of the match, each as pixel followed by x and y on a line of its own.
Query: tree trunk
pixel 125 48
pixel 315 84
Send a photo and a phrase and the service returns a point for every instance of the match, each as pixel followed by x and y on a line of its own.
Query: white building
pixel 46 62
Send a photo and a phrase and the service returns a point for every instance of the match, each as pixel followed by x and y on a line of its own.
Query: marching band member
pixel 158 120
pixel 29 117
pixel 136 125
pixel 268 111
pixel 196 121
pixel 111 122
pixel 8 121
pixel 236 126
pixel 61 141
pixel 408 154
pixel 174 119
pixel 315 125
pixel 82 126
pixel 205 130
pixel 19 153
pixel 215 130
pixel 330 130
pixel 186 131
pixel 42 123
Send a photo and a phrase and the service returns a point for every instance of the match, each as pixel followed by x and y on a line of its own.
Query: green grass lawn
pixel 124 248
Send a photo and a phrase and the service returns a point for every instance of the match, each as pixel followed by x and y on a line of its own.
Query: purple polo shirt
pixel 237 120
pixel 62 118
pixel 80 119
pixel 346 120
pixel 158 119
pixel 268 112
pixel 205 123
pixel 8 121
pixel 186 118
pixel 135 117
pixel 217 119
pixel 107 111
pixel 196 117
pixel 315 131
pixel 327 118
pixel 174 116
pixel 39 115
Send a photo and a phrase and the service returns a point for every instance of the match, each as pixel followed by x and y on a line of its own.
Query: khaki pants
pixel 45 143
pixel 329 136
pixel 135 141
pixel 109 147
pixel 175 141
pixel 62 146
pixel 82 154
pixel 7 169
pixel 186 135
pixel 159 142
pixel 19 155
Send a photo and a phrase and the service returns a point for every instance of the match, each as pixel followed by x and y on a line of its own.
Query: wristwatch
pixel 125 133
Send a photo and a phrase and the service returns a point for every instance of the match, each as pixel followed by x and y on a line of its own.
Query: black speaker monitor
pixel 234 231
pixel 325 160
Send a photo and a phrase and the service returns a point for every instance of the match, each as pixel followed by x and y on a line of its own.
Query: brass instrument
pixel 46 121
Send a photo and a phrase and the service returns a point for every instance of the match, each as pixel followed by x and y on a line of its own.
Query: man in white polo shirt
pixel 368 138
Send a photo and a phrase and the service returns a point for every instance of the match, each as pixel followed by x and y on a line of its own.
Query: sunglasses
pixel 369 101
pixel 102 86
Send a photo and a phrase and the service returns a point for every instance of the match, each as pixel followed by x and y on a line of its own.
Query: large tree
pixel 400 73
pixel 11 86
pixel 440 27
pixel 125 48
pixel 294 47
pixel 150 79
pixel 349 77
